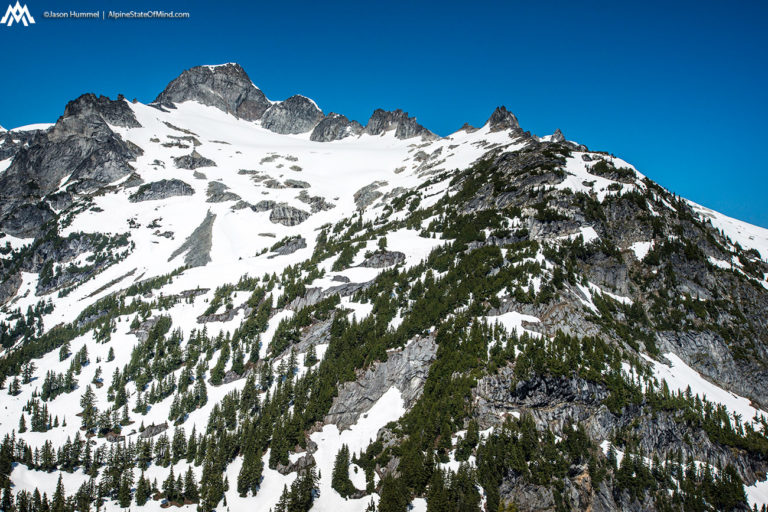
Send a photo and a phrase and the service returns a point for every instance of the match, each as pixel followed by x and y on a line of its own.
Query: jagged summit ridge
pixel 226 87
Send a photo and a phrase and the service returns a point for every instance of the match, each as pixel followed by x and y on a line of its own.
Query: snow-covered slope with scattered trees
pixel 221 301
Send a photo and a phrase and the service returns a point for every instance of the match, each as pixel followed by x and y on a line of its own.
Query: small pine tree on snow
pixel 340 479
pixel 142 490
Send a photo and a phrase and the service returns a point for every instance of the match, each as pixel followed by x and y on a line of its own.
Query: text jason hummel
pixel 72 14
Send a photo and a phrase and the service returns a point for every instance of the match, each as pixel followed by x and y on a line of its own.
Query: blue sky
pixel 676 88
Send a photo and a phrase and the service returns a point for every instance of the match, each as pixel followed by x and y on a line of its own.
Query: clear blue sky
pixel 676 88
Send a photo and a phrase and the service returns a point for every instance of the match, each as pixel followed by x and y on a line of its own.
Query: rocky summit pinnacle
pixel 502 119
pixel 297 114
pixel 226 87
pixel 335 127
pixel 405 126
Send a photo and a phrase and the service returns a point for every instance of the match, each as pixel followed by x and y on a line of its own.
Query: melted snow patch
pixel 747 235
pixel 4 164
pixel 513 321
pixel 679 376
pixel 641 249
pixel 757 495
pixel 389 407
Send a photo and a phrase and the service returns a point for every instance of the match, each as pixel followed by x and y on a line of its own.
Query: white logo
pixel 18 14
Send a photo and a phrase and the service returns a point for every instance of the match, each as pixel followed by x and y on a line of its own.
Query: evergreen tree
pixel 394 496
pixel 58 502
pixel 191 492
pixel 142 490
pixel 340 480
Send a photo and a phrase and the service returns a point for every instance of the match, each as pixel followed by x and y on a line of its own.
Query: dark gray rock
pixel 383 259
pixel 302 463
pixel 297 114
pixel 134 180
pixel 291 246
pixel 558 136
pixel 80 146
pixel 218 192
pixel 9 287
pixel 198 245
pixel 502 119
pixel 405 369
pixel 316 203
pixel 335 127
pixel 296 184
pixel 115 112
pixel 153 430
pixel 368 194
pixel 12 142
pixel 193 161
pixel 162 189
pixel 709 354
pixel 226 87
pixel 263 205
pixel 405 126
pixel 27 220
pixel 287 215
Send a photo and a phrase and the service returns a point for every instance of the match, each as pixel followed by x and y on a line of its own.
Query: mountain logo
pixel 18 14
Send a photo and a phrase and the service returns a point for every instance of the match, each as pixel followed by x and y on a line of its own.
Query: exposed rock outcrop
pixel 297 114
pixel 335 127
pixel 316 203
pixel 226 87
pixel 198 245
pixel 153 430
pixel 291 246
pixel 502 119
pixel 220 193
pixel 193 161
pixel 405 126
pixel 405 369
pixel 383 259
pixel 162 189
pixel 287 215
pixel 81 147
pixel 368 194
pixel 9 287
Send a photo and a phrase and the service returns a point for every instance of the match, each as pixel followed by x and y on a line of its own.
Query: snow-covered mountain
pixel 253 288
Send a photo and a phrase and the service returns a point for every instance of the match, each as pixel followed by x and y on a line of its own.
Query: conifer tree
pixel 142 490
pixel 58 502
pixel 191 492
pixel 340 478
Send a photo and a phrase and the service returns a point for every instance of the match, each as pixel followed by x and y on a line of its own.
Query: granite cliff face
pixel 297 114
pixel 80 147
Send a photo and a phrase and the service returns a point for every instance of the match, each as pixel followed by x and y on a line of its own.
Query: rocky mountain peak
pixel 297 114
pixel 405 126
pixel 115 112
pixel 335 127
pixel 502 119
pixel 226 87
pixel 558 136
